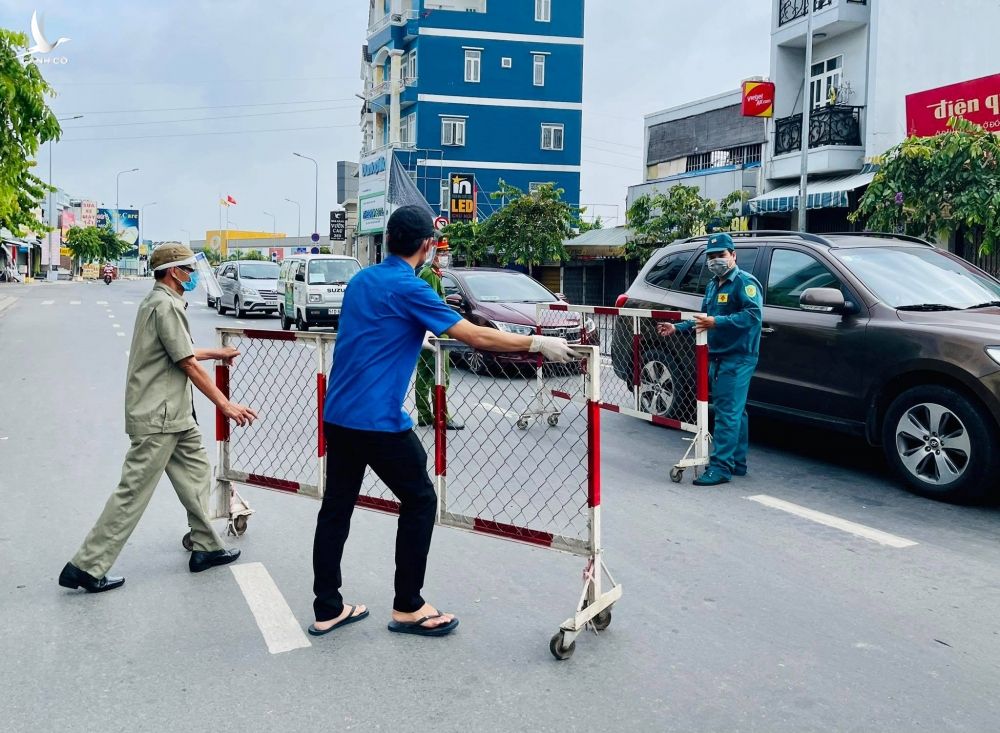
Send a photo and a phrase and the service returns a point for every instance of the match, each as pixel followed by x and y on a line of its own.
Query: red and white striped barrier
pixel 662 380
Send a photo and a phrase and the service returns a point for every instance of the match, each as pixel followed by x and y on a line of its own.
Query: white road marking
pixel 270 610
pixel 48 302
pixel 110 315
pixel 102 302
pixel 115 325
pixel 500 411
pixel 74 302
pixel 120 333
pixel 859 530
pixel 127 302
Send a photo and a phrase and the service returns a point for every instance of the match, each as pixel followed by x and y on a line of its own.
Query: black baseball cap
pixel 410 224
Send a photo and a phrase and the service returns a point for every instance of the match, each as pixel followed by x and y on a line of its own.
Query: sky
pixel 212 98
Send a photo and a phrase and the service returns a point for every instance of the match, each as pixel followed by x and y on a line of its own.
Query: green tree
pixel 250 254
pixel 325 251
pixel 661 218
pixel 464 242
pixel 531 228
pixel 213 256
pixel 933 186
pixel 112 248
pixel 84 243
pixel 26 122
pixel 589 226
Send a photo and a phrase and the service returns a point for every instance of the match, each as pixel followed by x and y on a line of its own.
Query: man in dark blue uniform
pixel 733 306
pixel 386 313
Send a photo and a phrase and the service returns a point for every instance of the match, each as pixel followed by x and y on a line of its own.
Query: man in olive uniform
pixel 431 274
pixel 160 422
pixel 733 308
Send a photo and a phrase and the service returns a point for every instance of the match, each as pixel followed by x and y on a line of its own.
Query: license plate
pixel 333 311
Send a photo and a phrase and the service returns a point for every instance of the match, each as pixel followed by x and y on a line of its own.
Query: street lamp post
pixel 806 109
pixel 298 229
pixel 274 219
pixel 53 267
pixel 316 189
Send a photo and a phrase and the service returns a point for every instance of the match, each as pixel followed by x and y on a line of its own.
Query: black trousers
pixel 401 462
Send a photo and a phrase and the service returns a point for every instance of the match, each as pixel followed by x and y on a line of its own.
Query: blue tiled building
pixel 492 88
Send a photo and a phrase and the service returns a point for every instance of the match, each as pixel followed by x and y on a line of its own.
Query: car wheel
pixel 238 310
pixel 664 389
pixel 286 323
pixel 941 443
pixel 299 323
pixel 209 302
pixel 220 307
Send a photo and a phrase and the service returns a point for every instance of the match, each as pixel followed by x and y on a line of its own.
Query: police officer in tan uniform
pixel 160 422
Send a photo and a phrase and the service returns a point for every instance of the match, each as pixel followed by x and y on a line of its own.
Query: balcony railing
pixel 840 125
pixel 790 10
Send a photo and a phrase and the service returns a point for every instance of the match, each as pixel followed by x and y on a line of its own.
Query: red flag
pixel 231 200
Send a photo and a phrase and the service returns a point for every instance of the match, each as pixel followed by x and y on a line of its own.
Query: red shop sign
pixel 758 99
pixel 978 101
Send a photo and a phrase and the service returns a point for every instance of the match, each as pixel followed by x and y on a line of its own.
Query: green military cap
pixel 719 243
pixel 171 255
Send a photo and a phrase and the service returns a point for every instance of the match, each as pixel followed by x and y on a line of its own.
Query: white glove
pixel 552 348
pixel 427 342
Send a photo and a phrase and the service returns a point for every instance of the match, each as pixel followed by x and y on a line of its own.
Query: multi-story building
pixel 707 144
pixel 867 56
pixel 492 89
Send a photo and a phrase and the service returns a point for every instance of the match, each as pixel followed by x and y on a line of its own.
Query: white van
pixel 311 289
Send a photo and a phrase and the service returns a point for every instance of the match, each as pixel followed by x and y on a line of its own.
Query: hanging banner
pixel 372 210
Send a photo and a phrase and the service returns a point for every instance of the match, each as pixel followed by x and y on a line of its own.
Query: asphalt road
pixel 736 615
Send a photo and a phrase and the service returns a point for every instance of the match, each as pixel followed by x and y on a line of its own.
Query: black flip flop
pixel 418 629
pixel 349 619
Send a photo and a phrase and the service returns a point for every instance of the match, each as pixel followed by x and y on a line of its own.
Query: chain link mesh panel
pixel 276 375
pixel 641 372
pixel 519 469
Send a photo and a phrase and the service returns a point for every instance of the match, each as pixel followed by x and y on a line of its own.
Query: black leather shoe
pixel 454 425
pixel 72 577
pixel 204 560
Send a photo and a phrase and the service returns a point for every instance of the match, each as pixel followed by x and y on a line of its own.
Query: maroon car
pixel 506 299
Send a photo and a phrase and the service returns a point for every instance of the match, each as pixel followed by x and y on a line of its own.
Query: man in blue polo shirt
pixel 386 314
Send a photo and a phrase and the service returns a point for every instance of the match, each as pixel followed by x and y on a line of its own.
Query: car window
pixel 449 285
pixel 791 273
pixel 331 272
pixel 696 278
pixel 664 272
pixel 258 271
pixel 507 287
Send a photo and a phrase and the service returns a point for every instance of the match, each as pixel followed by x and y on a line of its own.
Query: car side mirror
pixel 456 301
pixel 300 277
pixel 823 300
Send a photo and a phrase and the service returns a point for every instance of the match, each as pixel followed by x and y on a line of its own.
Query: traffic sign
pixel 338 226
pixel 315 237
pixel 314 250
pixel 440 223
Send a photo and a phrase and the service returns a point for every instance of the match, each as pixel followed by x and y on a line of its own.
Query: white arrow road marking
pixel 270 610
pixel 102 302
pixel 74 302
pixel 859 530
pixel 48 302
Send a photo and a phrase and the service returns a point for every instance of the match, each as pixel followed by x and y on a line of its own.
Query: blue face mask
pixel 191 283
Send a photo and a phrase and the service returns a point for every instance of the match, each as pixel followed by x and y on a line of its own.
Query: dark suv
pixel 881 335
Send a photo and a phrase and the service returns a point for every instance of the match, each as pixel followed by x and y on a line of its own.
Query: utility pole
pixel 806 109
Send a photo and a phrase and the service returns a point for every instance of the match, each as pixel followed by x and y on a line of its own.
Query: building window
pixel 740 155
pixel 473 62
pixel 539 67
pixel 552 137
pixel 467 6
pixel 506 62
pixel 453 131
pixel 410 66
pixel 445 194
pixel 543 11
pixel 824 81
pixel 408 129
pixel 535 185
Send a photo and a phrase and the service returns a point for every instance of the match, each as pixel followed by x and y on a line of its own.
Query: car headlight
pixel 249 292
pixel 994 353
pixel 315 297
pixel 514 328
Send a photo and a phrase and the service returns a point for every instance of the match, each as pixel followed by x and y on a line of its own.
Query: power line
pixel 200 134
pixel 218 106
pixel 612 142
pixel 611 165
pixel 612 152
pixel 209 119
pixel 203 82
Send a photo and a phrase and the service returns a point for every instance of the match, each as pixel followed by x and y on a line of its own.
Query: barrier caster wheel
pixel 522 424
pixel 187 543
pixel 676 474
pixel 602 620
pixel 240 525
pixel 558 650
pixel 553 420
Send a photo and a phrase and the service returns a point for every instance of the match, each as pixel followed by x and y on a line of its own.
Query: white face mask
pixel 444 261
pixel 719 266
pixel 431 254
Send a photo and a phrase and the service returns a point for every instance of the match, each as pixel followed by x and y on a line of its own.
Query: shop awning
pixel 829 193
